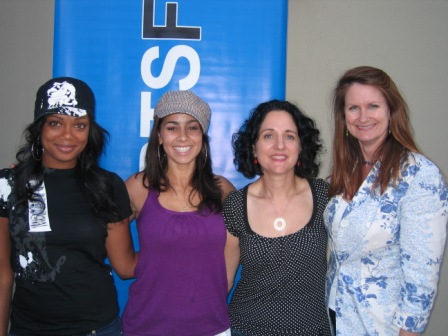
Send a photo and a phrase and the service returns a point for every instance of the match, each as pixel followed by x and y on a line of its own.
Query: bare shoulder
pixel 225 185
pixel 136 190
pixel 135 181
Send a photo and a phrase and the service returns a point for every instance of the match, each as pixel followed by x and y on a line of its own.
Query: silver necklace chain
pixel 279 222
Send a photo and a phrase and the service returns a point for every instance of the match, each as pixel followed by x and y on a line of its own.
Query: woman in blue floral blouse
pixel 387 214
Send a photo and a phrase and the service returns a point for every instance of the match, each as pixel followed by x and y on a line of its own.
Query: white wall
pixel 26 58
pixel 406 38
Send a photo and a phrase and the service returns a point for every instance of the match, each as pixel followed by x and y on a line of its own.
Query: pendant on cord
pixel 279 224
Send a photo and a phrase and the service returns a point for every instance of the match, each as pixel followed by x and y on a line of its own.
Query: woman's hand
pixel 407 333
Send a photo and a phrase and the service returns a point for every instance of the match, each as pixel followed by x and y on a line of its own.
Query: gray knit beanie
pixel 184 102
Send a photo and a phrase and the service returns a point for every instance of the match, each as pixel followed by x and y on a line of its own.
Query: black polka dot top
pixel 282 286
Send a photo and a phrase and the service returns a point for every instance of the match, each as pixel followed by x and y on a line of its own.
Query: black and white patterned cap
pixel 184 102
pixel 64 95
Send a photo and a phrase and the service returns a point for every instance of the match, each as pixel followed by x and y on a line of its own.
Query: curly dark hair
pixel 244 140
pixel 203 181
pixel 93 183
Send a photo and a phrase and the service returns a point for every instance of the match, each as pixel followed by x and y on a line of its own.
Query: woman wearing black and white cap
pixel 181 285
pixel 60 216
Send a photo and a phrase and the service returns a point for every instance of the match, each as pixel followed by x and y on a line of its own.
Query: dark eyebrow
pixel 177 123
pixel 271 129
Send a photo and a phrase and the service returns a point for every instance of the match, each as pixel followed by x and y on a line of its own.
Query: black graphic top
pixel 63 285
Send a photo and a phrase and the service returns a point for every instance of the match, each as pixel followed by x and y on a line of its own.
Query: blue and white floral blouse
pixel 386 251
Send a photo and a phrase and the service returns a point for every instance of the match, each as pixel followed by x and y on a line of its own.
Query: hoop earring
pixel 37 152
pixel 205 160
pixel 158 155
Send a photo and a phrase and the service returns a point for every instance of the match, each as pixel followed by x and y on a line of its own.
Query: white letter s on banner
pixel 168 67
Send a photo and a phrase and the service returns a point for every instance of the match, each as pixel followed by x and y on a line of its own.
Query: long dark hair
pixel 203 181
pixel 247 136
pixel 92 182
pixel 346 172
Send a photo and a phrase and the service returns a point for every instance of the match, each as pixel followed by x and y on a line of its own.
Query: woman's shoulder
pixel 6 173
pixel 109 174
pixel 419 163
pixel 6 179
pixel 226 186
pixel 136 177
pixel 112 179
pixel 418 158
pixel 320 191
pixel 420 171
pixel 135 181
pixel 135 185
pixel 237 196
pixel 320 184
pixel 6 183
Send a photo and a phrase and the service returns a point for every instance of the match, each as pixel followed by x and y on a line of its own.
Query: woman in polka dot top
pixel 275 226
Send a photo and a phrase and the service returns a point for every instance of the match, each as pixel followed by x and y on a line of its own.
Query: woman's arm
pixel 6 276
pixel 232 248
pixel 232 256
pixel 422 213
pixel 137 193
pixel 120 249
pixel 119 245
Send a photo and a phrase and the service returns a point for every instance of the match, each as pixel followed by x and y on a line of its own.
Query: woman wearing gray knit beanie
pixel 181 284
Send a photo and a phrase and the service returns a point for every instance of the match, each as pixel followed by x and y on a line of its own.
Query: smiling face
pixel 63 139
pixel 181 137
pixel 278 145
pixel 367 116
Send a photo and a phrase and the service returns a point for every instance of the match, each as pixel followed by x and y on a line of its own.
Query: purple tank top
pixel 181 283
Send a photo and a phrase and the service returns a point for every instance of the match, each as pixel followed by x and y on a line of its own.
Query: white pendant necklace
pixel 280 223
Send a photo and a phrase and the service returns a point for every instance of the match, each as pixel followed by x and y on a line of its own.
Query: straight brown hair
pixel 346 177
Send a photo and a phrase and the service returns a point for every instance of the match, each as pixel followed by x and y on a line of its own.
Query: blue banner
pixel 231 53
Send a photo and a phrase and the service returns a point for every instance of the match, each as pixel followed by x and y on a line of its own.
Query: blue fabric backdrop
pixel 232 53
